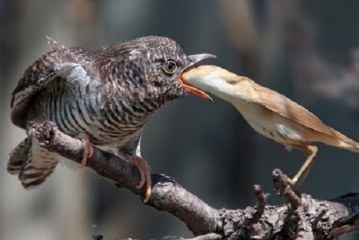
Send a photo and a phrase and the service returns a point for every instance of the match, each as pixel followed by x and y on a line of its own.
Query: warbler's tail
pixel 345 142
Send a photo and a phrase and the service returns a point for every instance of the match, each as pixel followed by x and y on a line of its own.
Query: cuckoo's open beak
pixel 193 60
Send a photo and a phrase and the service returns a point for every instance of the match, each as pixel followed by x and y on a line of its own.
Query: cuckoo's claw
pixel 88 149
pixel 145 175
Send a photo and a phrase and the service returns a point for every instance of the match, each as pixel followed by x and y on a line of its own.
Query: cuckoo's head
pixel 155 64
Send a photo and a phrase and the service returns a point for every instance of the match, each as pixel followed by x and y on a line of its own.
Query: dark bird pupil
pixel 170 67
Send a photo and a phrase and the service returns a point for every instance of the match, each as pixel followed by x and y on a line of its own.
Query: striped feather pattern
pixel 113 122
pixel 40 163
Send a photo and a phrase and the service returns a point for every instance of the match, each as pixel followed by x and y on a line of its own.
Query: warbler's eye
pixel 169 67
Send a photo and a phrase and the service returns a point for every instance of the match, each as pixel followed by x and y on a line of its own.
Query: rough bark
pixel 302 217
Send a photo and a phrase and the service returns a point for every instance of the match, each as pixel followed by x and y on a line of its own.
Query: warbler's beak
pixel 193 60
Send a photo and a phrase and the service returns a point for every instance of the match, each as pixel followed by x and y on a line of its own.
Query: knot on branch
pixel 43 133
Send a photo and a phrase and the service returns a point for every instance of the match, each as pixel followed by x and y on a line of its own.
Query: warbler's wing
pixel 289 109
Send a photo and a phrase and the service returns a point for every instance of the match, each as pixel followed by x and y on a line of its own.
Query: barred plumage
pixel 108 94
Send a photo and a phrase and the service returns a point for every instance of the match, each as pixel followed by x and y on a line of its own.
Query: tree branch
pixel 303 218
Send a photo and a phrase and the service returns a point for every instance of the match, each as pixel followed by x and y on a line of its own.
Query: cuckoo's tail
pixel 31 163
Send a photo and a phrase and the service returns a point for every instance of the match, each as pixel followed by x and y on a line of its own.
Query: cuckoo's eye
pixel 169 67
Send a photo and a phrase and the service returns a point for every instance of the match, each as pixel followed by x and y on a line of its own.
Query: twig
pixel 261 199
pixel 281 184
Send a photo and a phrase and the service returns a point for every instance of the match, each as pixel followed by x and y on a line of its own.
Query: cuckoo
pixel 104 97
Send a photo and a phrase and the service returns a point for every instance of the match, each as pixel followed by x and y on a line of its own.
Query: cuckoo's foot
pixel 88 149
pixel 145 175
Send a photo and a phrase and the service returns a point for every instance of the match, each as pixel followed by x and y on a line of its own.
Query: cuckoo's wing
pixel 61 62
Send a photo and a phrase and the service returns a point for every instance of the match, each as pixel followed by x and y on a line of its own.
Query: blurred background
pixel 307 50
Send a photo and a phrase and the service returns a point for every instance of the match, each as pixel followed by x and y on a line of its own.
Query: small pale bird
pixel 269 113
pixel 104 97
